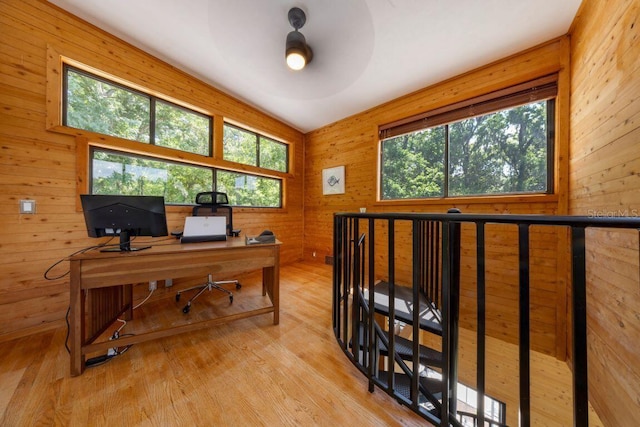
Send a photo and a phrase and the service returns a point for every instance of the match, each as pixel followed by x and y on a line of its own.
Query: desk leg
pixel 276 288
pixel 128 301
pixel 271 285
pixel 276 292
pixel 76 320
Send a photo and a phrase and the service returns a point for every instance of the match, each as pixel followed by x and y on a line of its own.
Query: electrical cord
pixel 116 333
pixel 144 300
pixel 66 340
pixel 91 248
pixel 115 351
pixel 81 251
pixel 111 353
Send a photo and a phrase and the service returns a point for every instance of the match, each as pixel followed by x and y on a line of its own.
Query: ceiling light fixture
pixel 298 53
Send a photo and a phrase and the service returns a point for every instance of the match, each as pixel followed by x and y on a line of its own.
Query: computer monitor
pixel 124 216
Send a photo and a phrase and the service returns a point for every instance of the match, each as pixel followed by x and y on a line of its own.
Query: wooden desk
pixel 101 286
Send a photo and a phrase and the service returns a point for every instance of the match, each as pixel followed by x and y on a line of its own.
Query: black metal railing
pixel 421 371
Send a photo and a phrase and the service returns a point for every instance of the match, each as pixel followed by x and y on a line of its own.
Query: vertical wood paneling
pixel 605 159
pixel 41 165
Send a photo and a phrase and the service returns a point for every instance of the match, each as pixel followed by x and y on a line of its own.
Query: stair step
pixel 403 301
pixel 404 348
pixel 403 386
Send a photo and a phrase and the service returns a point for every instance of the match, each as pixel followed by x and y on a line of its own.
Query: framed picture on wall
pixel 333 180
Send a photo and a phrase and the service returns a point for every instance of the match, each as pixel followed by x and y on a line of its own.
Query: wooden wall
pixel 604 181
pixel 353 142
pixel 604 161
pixel 41 165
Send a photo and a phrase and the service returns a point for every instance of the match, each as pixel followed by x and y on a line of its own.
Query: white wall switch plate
pixel 27 206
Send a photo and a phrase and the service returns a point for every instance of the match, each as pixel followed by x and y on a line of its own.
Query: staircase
pixel 399 324
pixel 389 336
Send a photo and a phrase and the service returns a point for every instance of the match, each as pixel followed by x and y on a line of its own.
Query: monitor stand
pixel 125 244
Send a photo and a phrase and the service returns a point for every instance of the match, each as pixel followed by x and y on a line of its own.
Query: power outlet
pixel 153 285
pixel 168 283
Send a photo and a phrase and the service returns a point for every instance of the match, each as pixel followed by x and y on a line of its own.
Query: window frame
pixel 153 103
pixel 91 174
pixel 281 194
pixel 86 139
pixel 215 184
pixel 153 125
pixel 259 137
pixel 543 88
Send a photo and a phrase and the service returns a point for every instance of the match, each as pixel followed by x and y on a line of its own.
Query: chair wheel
pixel 230 299
pixel 177 297
pixel 186 309
pixel 238 285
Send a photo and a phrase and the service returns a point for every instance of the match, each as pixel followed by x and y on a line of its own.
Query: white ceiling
pixel 366 52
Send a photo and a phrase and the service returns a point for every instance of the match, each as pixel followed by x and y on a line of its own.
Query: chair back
pixel 213 203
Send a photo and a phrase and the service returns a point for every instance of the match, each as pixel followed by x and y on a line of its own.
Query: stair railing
pixel 435 275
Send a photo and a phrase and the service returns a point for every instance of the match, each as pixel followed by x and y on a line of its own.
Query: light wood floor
pixel 247 373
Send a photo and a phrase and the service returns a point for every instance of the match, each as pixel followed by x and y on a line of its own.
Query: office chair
pixel 213 204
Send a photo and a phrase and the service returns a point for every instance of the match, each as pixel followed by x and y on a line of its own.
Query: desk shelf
pixel 94 272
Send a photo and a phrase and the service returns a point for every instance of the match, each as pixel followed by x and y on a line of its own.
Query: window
pixel 273 155
pixel 250 148
pixel 102 107
pixel 250 190
pixel 119 173
pixel 182 129
pixel 96 104
pixel 116 173
pixel 501 143
pixel 495 411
